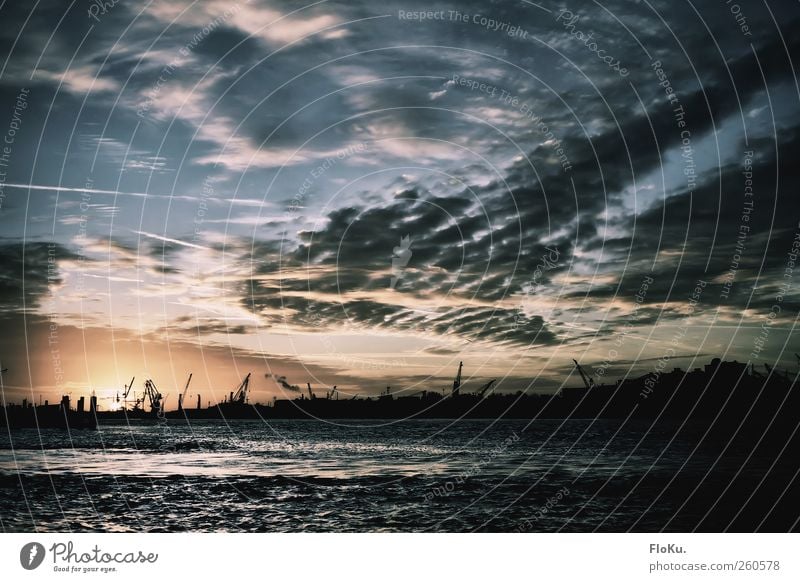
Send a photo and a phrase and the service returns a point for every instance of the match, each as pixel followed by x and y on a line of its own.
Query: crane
pixel 182 397
pixel 332 393
pixel 127 391
pixel 775 372
pixel 587 380
pixel 485 387
pixel 137 402
pixel 240 396
pixel 154 396
pixel 457 381
pixel 311 395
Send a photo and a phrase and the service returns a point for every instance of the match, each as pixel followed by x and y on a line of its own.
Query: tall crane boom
pixel 241 393
pixel 587 381
pixel 128 388
pixel 775 372
pixel 485 387
pixel 457 381
pixel 182 397
pixel 154 396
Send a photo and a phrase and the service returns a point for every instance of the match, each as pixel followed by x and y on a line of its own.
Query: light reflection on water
pixel 308 475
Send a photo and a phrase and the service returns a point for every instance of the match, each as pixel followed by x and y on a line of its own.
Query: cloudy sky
pixel 358 194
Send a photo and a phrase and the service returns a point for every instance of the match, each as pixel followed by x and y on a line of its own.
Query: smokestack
pixel 198 402
pixel 180 402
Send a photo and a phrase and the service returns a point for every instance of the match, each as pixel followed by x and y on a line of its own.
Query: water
pixel 415 476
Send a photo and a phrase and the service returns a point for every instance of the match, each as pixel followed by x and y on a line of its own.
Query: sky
pixel 365 194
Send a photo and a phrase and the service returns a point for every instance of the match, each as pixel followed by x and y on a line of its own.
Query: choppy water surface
pixel 408 476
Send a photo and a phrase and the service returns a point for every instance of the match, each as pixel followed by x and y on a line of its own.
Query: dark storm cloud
pixel 704 232
pixel 468 323
pixel 27 273
pixel 351 235
pixel 30 277
pixel 203 326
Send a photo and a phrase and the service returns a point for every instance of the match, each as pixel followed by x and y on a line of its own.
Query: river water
pixel 416 476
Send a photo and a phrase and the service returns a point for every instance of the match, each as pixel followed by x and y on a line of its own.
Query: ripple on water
pixel 426 476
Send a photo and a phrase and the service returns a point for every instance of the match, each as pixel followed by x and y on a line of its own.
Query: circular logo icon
pixel 31 555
